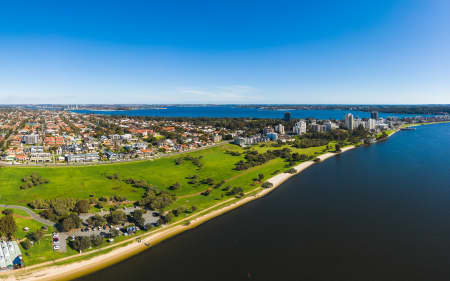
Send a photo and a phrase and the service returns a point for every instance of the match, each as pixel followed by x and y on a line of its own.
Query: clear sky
pixel 229 51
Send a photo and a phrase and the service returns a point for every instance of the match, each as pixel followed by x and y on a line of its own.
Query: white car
pixel 56 247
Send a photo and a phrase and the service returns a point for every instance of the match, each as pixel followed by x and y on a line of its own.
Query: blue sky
pixel 230 51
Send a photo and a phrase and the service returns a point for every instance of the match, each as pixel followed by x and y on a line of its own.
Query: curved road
pixel 30 212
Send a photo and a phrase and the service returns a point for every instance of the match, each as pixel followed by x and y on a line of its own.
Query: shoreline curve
pixel 119 253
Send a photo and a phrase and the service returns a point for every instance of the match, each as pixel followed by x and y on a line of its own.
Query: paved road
pixel 9 164
pixel 30 212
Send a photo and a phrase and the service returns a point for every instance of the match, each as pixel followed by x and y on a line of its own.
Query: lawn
pixel 41 251
pixel 91 181
pixel 81 182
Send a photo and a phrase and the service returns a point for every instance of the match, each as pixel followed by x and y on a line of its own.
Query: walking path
pixel 30 212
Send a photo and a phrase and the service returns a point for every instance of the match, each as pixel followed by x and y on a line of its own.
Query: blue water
pixel 238 112
pixel 374 213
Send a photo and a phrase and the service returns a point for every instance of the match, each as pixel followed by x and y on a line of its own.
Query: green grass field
pixel 41 251
pixel 83 182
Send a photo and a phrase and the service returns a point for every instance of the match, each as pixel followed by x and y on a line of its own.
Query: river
pixel 238 112
pixel 374 213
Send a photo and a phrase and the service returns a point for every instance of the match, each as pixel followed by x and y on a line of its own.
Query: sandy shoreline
pixel 77 269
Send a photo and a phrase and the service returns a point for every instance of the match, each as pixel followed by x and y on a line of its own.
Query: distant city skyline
pixel 225 52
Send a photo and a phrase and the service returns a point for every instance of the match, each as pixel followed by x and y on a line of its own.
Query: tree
pixel 114 232
pixel 137 217
pixel 70 222
pixel 337 147
pixel 96 221
pixel 165 219
pixel 8 226
pixel 35 236
pixel 96 240
pixel 117 217
pixel 81 243
pixel 260 177
pixel 174 186
pixel 26 244
pixel 291 171
pixel 82 206
pixel 267 184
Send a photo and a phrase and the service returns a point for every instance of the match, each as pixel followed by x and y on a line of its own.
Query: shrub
pixel 26 244
pixel 291 171
pixel 33 180
pixel 267 184
pixel 7 212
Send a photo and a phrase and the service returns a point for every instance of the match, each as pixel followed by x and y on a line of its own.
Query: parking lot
pixel 149 217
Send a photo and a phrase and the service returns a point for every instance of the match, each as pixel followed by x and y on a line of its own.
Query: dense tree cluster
pixel 305 143
pixel 8 226
pixel 82 206
pixel 82 243
pixel 137 217
pixel 70 222
pixel 116 217
pixel 156 200
pixel 406 109
pixel 63 211
pixel 253 158
pixel 96 221
pixel 32 180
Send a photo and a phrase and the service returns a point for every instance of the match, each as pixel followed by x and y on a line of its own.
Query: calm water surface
pixel 238 112
pixel 375 213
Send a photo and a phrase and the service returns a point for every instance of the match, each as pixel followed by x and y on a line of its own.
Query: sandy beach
pixel 50 271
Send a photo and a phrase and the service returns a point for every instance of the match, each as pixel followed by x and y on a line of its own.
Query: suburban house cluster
pixel 40 136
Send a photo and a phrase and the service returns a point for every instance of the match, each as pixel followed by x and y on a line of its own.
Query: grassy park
pixel 91 181
pixel 84 182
